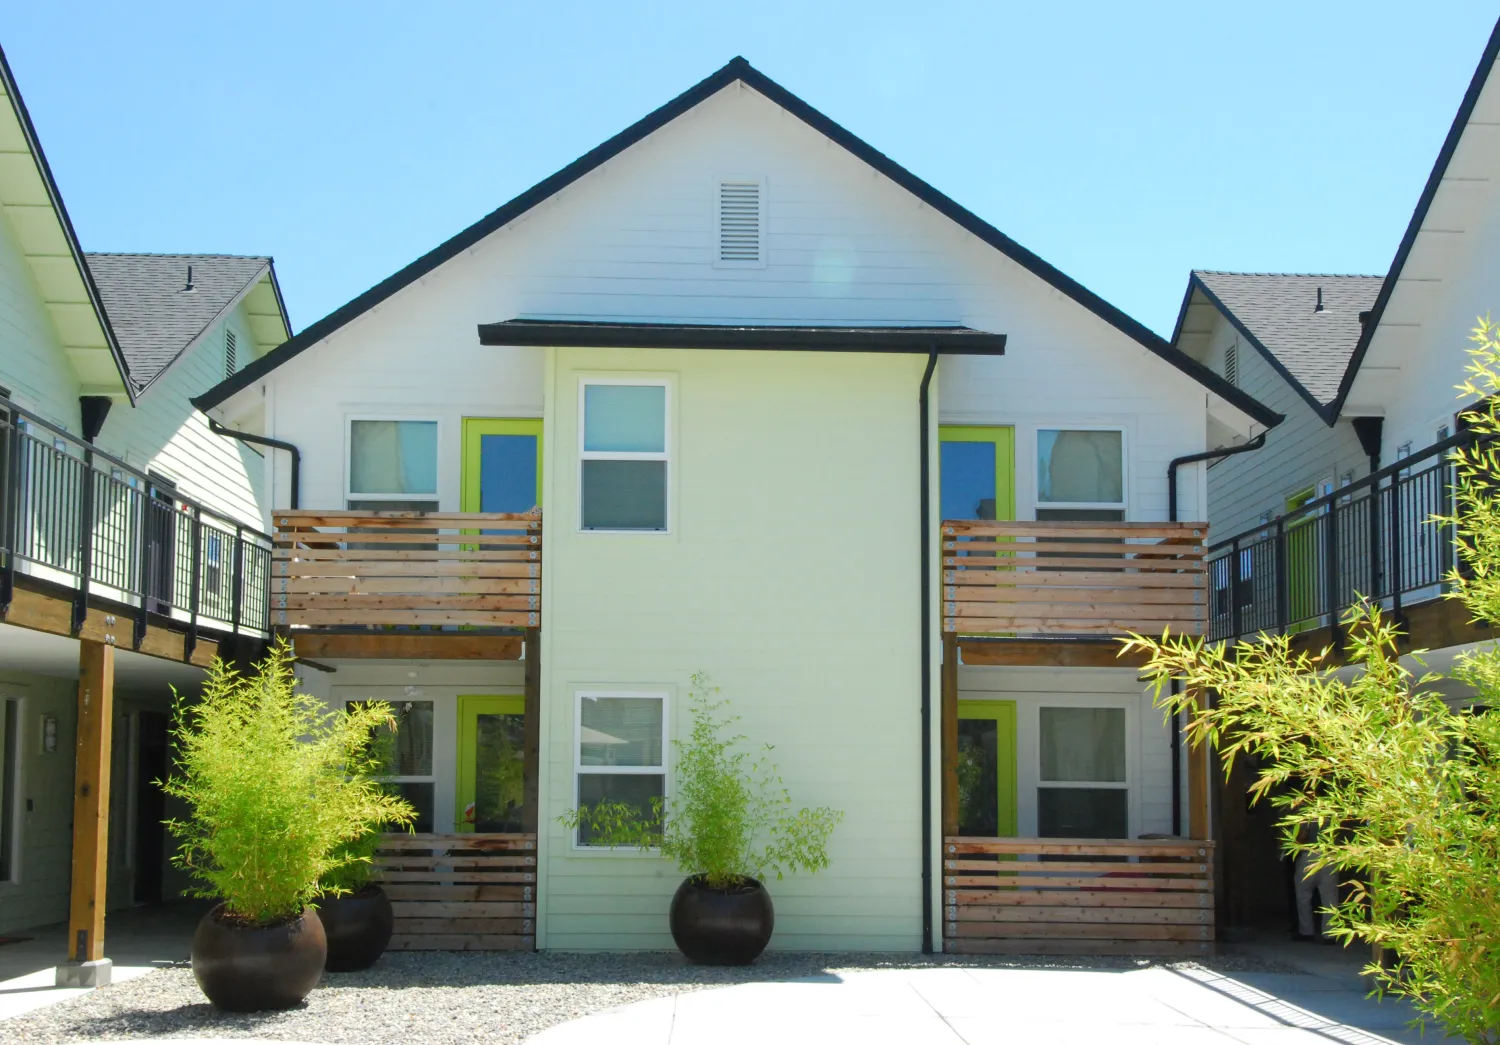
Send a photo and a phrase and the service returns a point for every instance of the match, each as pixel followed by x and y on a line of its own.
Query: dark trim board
pixel 563 334
pixel 1419 216
pixel 739 70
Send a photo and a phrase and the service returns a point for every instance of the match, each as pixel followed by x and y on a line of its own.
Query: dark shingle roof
pixel 155 319
pixel 1278 312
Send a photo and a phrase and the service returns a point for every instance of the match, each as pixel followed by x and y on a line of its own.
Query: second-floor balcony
pixel 1379 539
pixel 1073 579
pixel 76 518
pixel 383 570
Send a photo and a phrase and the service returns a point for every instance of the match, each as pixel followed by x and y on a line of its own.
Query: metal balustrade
pixel 74 515
pixel 1377 539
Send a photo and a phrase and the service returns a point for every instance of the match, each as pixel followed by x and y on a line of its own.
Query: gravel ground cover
pixel 446 998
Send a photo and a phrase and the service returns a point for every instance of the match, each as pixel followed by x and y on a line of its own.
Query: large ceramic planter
pixel 722 926
pixel 246 969
pixel 358 927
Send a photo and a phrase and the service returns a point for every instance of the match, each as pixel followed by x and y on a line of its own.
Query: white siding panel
pixel 32 363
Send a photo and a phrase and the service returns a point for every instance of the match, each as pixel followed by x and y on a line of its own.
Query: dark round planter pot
pixel 249 968
pixel 358 927
pixel 722 927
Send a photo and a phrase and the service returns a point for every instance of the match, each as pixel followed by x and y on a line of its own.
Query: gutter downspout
pixel 1254 444
pixel 925 501
pixel 279 444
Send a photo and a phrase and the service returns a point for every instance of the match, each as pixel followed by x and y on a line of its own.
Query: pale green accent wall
pixel 791 575
pixel 32 363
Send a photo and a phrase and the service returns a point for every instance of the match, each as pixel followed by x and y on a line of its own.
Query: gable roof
pixel 1419 215
pixel 739 70
pixel 156 319
pixel 1277 314
pixel 31 200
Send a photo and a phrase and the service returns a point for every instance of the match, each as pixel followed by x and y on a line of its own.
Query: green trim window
pixel 502 464
pixel 491 763
pixel 976 465
pixel 620 748
pixel 987 768
pixel 624 461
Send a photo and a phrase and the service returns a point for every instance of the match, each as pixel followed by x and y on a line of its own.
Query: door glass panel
pixel 1083 744
pixel 968 480
pixel 507 473
pixel 978 778
pixel 498 772
pixel 1082 812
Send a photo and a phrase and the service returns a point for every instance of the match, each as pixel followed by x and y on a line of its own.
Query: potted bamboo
pixel 728 825
pixel 277 786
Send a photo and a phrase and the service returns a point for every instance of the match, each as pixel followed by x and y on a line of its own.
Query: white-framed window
pixel 739 222
pixel 409 753
pixel 1080 474
pixel 619 750
pixel 393 464
pixel 10 788
pixel 1083 780
pixel 624 439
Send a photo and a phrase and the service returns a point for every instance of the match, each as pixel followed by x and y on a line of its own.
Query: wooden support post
pixel 531 753
pixel 96 699
pixel 1197 776
pixel 949 713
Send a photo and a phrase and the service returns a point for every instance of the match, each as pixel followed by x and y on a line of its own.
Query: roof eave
pixel 891 339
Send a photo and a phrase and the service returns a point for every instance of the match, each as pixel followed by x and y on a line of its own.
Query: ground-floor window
pixel 620 751
pixel 408 757
pixel 1083 789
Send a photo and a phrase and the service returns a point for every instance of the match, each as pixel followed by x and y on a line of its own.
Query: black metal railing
pixel 1376 539
pixel 75 515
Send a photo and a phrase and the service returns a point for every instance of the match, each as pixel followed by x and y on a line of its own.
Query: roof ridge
pixel 172 254
pixel 1309 275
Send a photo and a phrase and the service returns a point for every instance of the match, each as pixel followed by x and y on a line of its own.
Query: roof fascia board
pixel 874 340
pixel 1324 412
pixel 197 340
pixel 741 70
pixel 1419 216
pixel 61 211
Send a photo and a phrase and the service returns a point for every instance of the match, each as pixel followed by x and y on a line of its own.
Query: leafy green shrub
pixel 730 819
pixel 277 784
pixel 1403 791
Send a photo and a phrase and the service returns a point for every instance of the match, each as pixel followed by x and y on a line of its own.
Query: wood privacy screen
pixel 460 892
pixel 1065 578
pixel 1077 896
pixel 407 568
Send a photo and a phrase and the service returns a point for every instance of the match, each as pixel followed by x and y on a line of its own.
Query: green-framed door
pixel 502 464
pixel 987 768
pixel 976 471
pixel 491 763
pixel 1304 554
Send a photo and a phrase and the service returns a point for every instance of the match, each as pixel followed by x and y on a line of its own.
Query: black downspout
pixel 1254 444
pixel 925 500
pixel 246 437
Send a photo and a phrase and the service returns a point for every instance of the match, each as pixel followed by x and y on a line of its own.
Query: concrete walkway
pixel 138 941
pixel 972 1006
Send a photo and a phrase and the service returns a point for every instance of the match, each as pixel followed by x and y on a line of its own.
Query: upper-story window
pixel 393 465
pixel 1080 474
pixel 624 459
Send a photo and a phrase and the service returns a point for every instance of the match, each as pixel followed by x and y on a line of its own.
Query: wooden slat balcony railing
pixel 460 892
pixel 395 569
pixel 1071 578
pixel 1077 895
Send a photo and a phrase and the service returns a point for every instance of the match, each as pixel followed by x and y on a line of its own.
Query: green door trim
pixel 475 429
pixel 1004 438
pixel 470 707
pixel 1003 714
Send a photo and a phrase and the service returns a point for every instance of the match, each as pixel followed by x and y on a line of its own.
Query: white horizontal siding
pixel 32 363
pixel 1299 452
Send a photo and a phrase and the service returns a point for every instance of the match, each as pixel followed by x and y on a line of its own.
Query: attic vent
pixel 231 364
pixel 1232 363
pixel 739 222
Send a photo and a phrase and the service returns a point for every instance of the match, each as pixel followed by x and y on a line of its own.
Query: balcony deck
pixel 445 570
pixel 1089 580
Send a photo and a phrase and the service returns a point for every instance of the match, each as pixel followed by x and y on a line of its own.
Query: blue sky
pixel 1124 143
